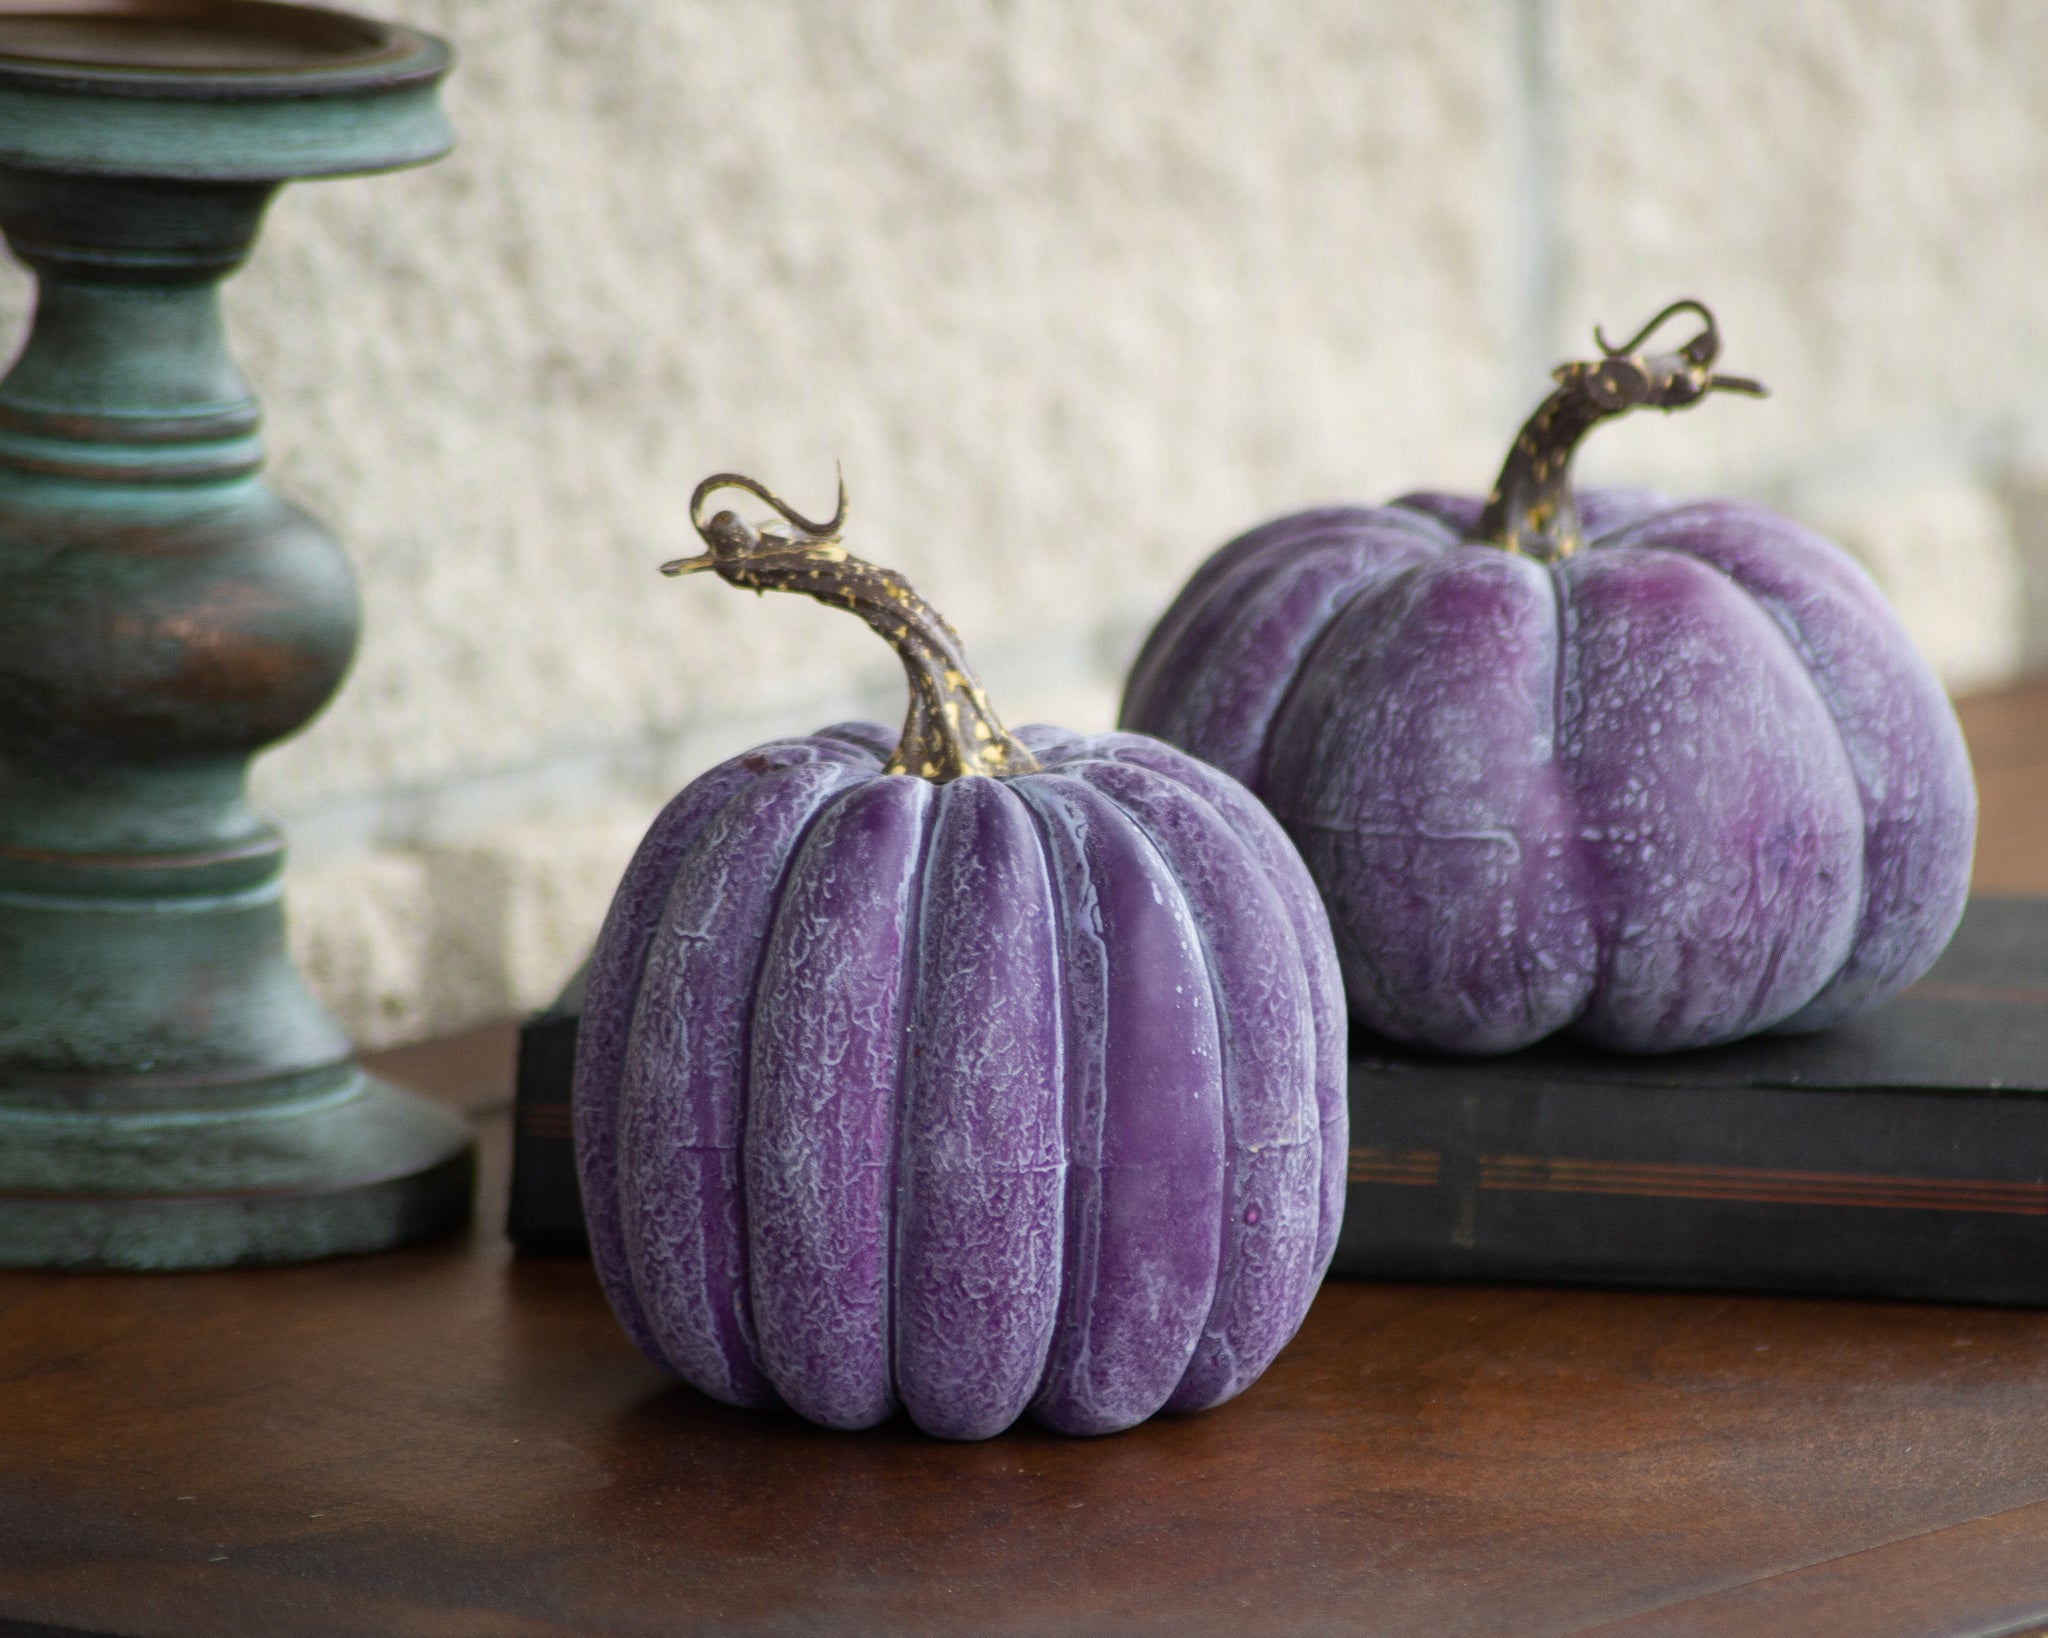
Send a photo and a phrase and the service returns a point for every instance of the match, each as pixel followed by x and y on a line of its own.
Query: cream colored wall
pixel 1074 291
pixel 1862 186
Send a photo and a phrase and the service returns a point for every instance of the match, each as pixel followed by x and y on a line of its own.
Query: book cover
pixel 1902 1154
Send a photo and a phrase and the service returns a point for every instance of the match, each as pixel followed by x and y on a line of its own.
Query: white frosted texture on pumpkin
pixel 1695 782
pixel 963 1098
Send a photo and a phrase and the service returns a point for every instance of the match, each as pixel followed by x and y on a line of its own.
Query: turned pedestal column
pixel 171 1096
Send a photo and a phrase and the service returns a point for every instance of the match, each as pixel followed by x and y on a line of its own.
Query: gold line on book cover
pixel 1405 1167
pixel 1762 1186
pixel 546 1120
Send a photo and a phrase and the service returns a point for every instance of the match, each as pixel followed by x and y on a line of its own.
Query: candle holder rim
pixel 387 55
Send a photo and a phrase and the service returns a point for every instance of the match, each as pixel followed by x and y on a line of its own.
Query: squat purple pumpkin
pixel 959 1071
pixel 1685 784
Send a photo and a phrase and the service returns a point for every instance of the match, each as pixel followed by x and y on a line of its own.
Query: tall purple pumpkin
pixel 962 1072
pixel 1687 783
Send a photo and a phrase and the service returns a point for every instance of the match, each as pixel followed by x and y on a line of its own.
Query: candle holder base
pixel 356 1168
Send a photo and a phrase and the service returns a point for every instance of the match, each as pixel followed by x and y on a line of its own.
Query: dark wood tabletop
pixel 451 1441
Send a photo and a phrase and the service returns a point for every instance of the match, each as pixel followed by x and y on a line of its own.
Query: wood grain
pixel 451 1443
pixel 445 1441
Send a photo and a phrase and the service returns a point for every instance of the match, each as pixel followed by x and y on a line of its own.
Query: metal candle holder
pixel 171 1096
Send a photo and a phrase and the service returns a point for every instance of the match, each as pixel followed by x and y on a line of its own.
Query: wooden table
pixel 448 1441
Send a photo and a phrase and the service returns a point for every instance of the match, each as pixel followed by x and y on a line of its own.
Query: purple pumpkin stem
pixel 950 728
pixel 1531 510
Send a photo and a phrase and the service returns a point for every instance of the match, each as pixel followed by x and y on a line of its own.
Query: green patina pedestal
pixel 171 1096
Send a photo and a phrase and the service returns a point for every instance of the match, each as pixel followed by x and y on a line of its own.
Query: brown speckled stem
pixel 1531 510
pixel 949 729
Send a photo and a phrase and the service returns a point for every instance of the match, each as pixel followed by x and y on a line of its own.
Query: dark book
pixel 545 1216
pixel 1904 1154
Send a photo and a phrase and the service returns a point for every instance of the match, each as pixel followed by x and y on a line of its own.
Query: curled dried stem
pixel 1531 509
pixel 950 728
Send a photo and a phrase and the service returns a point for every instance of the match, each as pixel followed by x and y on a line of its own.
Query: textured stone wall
pixel 1073 291
pixel 1862 186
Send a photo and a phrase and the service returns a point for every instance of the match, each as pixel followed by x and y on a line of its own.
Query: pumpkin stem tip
pixel 1531 509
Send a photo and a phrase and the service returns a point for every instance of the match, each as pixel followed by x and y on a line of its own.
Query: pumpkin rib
pixel 1904 922
pixel 1217 620
pixel 827 1049
pixel 1417 774
pixel 908 997
pixel 863 735
pixel 1456 514
pixel 1610 510
pixel 1640 535
pixel 1375 562
pixel 1252 770
pixel 1143 1116
pixel 1276 857
pixel 1296 526
pixel 1272 1167
pixel 1048 742
pixel 1564 706
pixel 1214 607
pixel 683 1098
pixel 1672 937
pixel 980 1159
pixel 1151 686
pixel 1169 634
pixel 1080 1239
pixel 616 963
